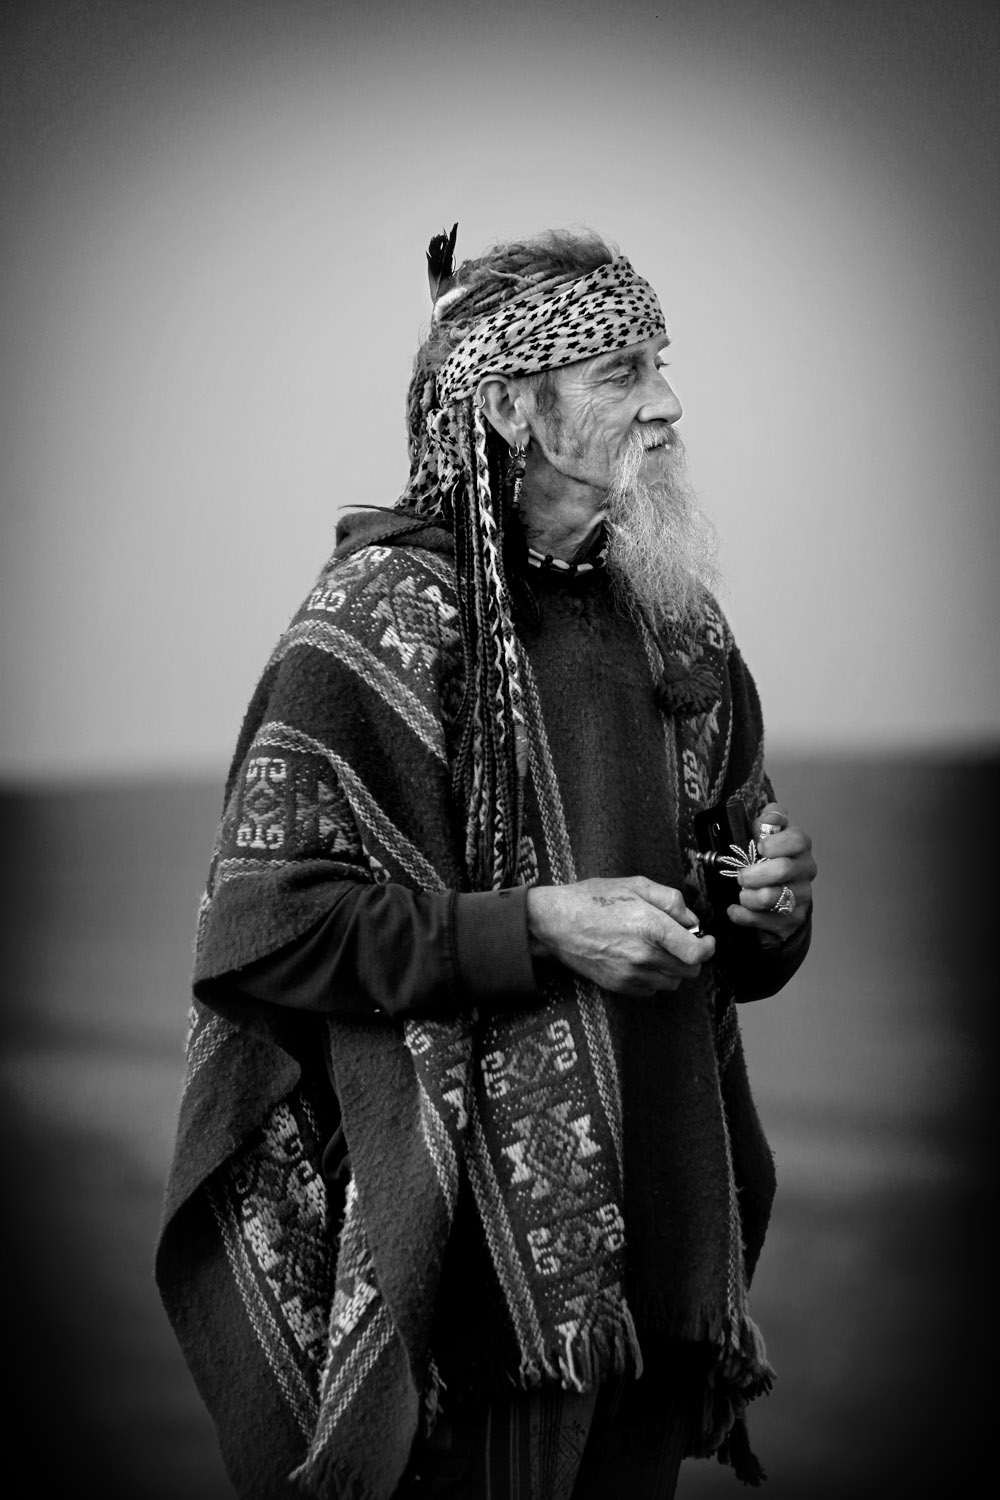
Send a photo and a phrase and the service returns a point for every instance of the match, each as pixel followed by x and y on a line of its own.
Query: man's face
pixel 599 403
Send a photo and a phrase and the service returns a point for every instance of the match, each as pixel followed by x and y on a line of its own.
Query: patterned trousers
pixel 625 1442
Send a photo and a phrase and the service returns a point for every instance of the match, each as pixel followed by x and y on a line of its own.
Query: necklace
pixel 557 565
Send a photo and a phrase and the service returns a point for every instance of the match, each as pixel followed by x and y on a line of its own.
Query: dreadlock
pixel 492 755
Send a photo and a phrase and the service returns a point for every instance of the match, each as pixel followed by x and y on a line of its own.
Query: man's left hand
pixel 785 864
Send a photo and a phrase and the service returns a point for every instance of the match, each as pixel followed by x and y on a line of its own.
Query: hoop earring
pixel 515 475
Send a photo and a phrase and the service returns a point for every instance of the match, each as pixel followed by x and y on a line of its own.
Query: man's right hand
pixel 629 935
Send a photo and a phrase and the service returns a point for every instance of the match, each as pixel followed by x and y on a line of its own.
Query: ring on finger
pixel 766 829
pixel 786 901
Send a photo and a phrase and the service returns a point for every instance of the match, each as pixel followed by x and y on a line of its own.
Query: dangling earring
pixel 515 475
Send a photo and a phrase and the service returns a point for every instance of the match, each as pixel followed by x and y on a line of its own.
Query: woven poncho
pixel 305 1316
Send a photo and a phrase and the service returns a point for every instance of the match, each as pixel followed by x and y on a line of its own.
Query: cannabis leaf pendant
pixel 743 859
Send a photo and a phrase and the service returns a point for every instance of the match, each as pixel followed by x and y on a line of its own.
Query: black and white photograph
pixel 499 734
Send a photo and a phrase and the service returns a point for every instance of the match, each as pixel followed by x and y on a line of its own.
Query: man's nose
pixel 661 403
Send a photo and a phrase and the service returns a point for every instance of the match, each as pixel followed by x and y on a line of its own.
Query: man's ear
pixel 504 405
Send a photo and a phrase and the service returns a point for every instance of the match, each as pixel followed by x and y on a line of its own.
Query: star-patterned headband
pixel 609 308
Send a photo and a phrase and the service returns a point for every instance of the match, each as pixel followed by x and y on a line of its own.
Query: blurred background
pixel 212 230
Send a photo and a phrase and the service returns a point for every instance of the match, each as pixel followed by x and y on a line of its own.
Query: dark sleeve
pixel 762 972
pixel 755 971
pixel 402 953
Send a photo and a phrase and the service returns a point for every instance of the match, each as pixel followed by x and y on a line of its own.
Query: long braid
pixel 508 726
pixel 492 754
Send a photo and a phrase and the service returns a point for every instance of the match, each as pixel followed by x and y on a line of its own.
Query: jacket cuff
pixel 492 960
pixel 773 967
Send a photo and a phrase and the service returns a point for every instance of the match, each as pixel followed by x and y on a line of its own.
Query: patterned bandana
pixel 609 308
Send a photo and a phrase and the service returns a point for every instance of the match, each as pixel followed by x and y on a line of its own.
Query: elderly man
pixel 469 1185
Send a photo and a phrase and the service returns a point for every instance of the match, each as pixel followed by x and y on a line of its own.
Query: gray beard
pixel 662 548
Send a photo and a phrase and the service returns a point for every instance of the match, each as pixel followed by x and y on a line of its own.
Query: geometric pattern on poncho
pixel 530 1101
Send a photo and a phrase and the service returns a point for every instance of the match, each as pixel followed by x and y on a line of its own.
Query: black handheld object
pixel 726 844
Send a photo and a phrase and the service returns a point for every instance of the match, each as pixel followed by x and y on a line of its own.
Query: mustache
pixel 646 436
pixel 655 435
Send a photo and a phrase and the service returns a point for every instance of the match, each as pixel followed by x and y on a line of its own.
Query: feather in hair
pixel 441 262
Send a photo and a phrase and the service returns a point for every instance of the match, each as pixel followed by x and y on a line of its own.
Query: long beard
pixel 662 548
